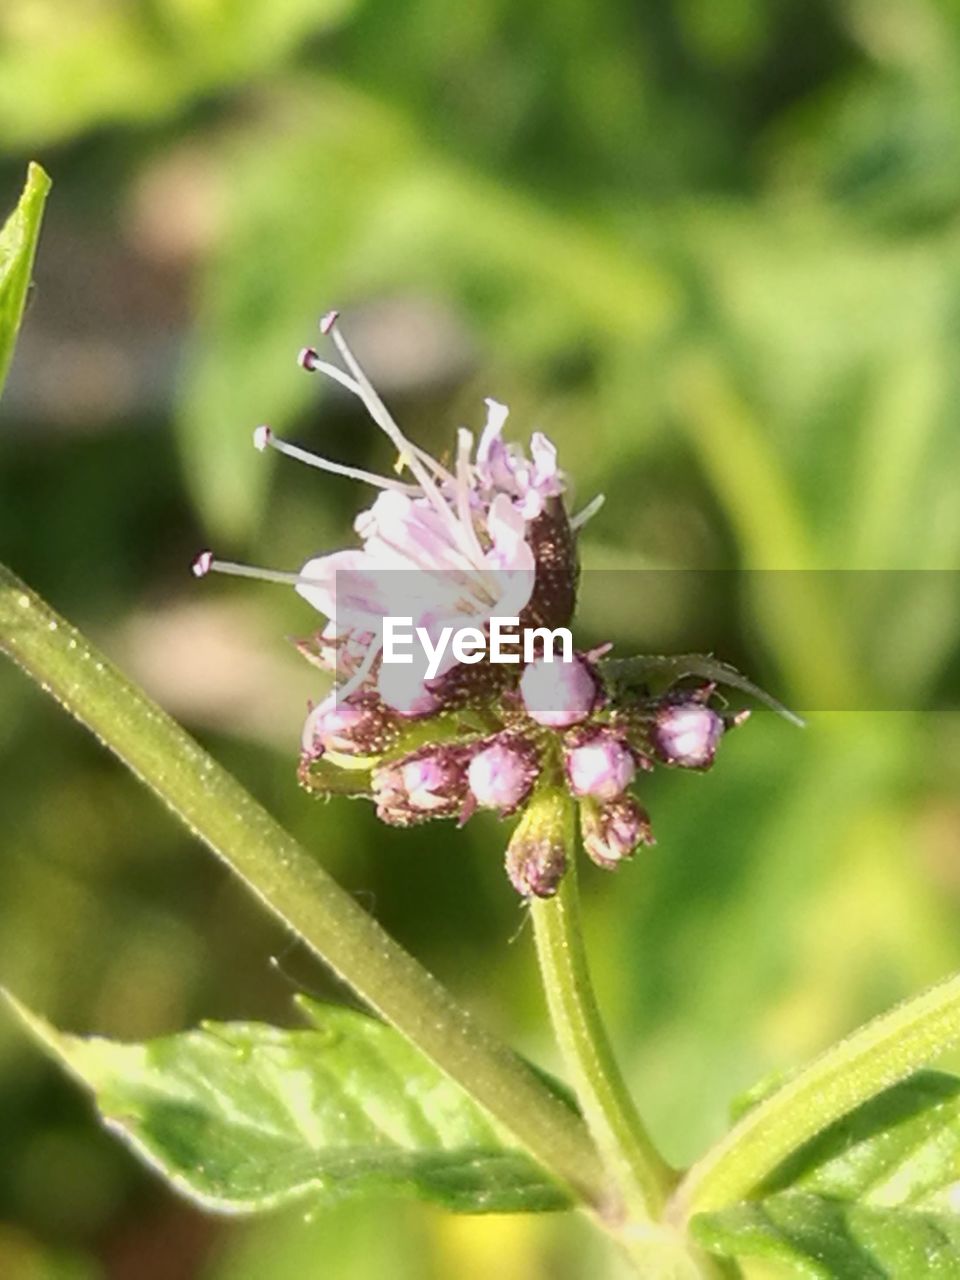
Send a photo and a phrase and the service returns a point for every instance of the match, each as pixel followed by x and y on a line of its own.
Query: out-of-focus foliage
pixel 712 250
pixel 63 70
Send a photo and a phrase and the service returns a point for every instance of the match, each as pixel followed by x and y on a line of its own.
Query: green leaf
pixel 242 1117
pixel 834 1239
pixel 18 243
pixel 901 1147
pixel 661 671
pixel 875 1194
pixel 832 1091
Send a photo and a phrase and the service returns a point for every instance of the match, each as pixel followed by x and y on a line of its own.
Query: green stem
pixel 872 1059
pixel 638 1171
pixel 291 884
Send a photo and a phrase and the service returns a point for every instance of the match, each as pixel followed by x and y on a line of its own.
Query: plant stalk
pixel 293 886
pixel 640 1176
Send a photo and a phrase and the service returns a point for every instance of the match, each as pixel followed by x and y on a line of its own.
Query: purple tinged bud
pixel 614 831
pixel 428 783
pixel 328 727
pixel 328 321
pixel 307 358
pixel 358 726
pixel 601 766
pixel 537 853
pixel 501 775
pixel 686 734
pixel 425 782
pixel 559 694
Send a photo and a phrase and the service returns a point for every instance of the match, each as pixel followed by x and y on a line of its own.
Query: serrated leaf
pixel 664 670
pixel 242 1117
pixel 834 1239
pixel 18 243
pixel 874 1194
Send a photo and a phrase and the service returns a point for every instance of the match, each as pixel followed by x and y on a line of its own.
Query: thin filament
pixel 339 468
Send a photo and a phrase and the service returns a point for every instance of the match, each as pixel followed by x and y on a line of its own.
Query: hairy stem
pixel 640 1176
pixel 872 1059
pixel 291 884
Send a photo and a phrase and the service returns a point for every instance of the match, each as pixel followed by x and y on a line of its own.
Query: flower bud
pixel 559 694
pixel 602 765
pixel 686 734
pixel 501 774
pixel 361 725
pixel 536 855
pixel 614 831
pixel 428 783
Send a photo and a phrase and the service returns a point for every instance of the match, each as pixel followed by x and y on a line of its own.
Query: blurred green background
pixel 712 250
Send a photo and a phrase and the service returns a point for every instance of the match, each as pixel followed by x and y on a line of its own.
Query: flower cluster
pixel 487 535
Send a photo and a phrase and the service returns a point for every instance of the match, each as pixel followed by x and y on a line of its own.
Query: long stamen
pixel 588 512
pixel 382 417
pixel 263 438
pixel 309 359
pixel 462 489
pixel 206 563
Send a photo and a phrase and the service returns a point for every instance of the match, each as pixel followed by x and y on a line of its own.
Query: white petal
pixel 544 454
pixel 507 529
pixel 496 417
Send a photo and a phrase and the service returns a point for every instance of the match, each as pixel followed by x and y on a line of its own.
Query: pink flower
pixel 505 468
pixel 559 694
pixel 447 546
pixel 601 766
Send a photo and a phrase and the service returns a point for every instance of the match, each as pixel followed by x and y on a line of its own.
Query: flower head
pixel 455 545
pixel 446 545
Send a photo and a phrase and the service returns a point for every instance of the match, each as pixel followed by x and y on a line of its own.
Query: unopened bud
pixel 360 725
pixel 602 766
pixel 686 734
pixel 501 774
pixel 537 853
pixel 559 694
pixel 428 783
pixel 614 831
